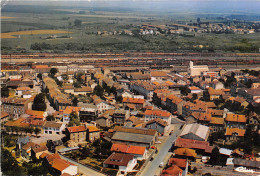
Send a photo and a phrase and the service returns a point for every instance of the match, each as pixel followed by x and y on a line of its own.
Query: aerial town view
pixel 130 88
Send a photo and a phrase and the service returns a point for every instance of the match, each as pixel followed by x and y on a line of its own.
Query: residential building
pixel 87 112
pixel 37 150
pixel 136 102
pixel 59 166
pixel 233 134
pixel 51 127
pixel 161 126
pixel 154 114
pixel 93 133
pixel 139 152
pixel 123 162
pixel 235 121
pixel 120 116
pixel 68 110
pixel 200 146
pixel 77 133
pixel 105 119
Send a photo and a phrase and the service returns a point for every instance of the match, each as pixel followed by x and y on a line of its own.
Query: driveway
pixel 83 169
pixel 153 166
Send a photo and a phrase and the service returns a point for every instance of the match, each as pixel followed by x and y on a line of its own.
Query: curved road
pixel 151 168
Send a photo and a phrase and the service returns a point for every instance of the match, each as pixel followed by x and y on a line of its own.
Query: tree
pixel 77 23
pixel 39 102
pixel 53 71
pixel 4 92
pixel 119 99
pixel 74 119
pixel 37 131
pixel 8 129
pixel 215 157
pixel 184 90
pixel 50 118
pixel 64 76
pixel 9 165
pixel 39 76
pixel 75 101
pixel 99 91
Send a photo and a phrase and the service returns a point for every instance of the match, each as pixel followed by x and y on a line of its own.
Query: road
pixel 152 167
pixel 83 169
pixel 217 170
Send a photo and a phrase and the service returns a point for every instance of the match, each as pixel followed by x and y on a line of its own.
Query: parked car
pixel 161 165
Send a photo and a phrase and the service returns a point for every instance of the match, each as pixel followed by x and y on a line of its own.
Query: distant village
pixel 188 28
pixel 73 118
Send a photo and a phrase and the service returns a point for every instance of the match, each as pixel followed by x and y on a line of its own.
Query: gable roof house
pixel 235 121
pixel 26 150
pixel 77 133
pixel 68 111
pixel 233 134
pixel 105 119
pixel 87 112
pixel 161 126
pixel 202 146
pixel 172 171
pixel 195 131
pixel 174 104
pixel 120 116
pixel 161 114
pixel 37 150
pixel 123 162
pixel 59 166
pixel 51 127
pixel 137 102
pixel 139 152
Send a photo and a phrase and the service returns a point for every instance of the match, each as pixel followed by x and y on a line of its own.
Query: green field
pixel 84 39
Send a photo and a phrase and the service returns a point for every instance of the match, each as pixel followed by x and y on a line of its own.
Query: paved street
pixel 153 166
pixel 83 169
pixel 217 170
pixel 49 109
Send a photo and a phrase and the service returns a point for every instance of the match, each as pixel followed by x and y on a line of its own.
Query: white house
pixel 103 106
pixel 51 127
pixel 123 162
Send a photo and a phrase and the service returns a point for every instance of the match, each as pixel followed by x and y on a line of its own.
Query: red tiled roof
pixel 172 171
pixel 185 152
pixel 119 159
pixel 178 162
pixel 159 121
pixel 70 109
pixel 230 131
pixel 158 113
pixel 36 114
pixel 133 100
pixel 23 88
pixel 194 144
pixel 61 164
pixel 201 116
pixel 131 149
pixel 236 118
pixel 92 128
pixel 52 157
pixel 77 129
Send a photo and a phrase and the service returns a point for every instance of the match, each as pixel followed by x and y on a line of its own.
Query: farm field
pixel 60 21
pixel 32 32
